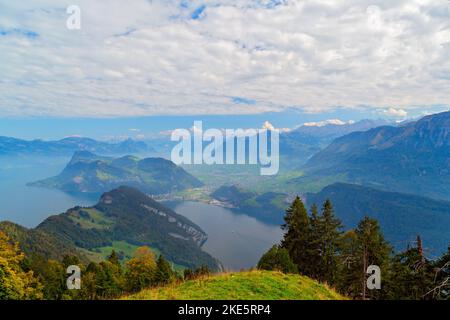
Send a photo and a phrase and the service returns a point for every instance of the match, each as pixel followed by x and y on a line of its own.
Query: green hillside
pixel 38 242
pixel 250 285
pixel 90 173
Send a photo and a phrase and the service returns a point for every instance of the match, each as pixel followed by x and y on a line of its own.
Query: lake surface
pixel 28 206
pixel 237 240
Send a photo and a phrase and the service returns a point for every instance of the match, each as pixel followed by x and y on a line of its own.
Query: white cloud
pixel 150 57
pixel 268 126
pixel 395 112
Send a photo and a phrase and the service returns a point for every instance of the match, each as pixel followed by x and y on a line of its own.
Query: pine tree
pixel 329 234
pixel 348 271
pixel 296 237
pixel 411 275
pixel 314 248
pixel 363 247
pixel 164 273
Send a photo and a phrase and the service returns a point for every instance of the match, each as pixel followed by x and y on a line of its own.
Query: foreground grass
pixel 250 285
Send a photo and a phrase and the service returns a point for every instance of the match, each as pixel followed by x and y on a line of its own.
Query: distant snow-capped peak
pixel 336 122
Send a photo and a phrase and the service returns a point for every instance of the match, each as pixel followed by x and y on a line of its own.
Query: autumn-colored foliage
pixel 15 283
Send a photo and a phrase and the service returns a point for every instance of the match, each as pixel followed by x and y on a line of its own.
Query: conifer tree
pixel 370 249
pixel 110 279
pixel 314 248
pixel 164 273
pixel 348 271
pixel 411 276
pixel 328 233
pixel 296 238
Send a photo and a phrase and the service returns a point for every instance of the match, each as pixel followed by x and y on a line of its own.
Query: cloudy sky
pixel 155 57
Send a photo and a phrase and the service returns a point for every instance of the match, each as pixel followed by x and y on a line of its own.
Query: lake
pixel 28 206
pixel 237 240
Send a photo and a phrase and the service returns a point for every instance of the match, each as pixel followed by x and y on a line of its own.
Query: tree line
pixel 38 278
pixel 315 245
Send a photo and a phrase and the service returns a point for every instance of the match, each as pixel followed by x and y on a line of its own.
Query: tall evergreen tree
pixel 296 237
pixel 328 234
pixel 348 273
pixel 314 252
pixel 364 248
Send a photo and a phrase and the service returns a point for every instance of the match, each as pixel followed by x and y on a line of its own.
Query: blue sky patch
pixel 21 32
pixel 198 12
pixel 240 100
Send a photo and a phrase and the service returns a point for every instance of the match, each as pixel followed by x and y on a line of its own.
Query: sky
pixel 151 127
pixel 154 58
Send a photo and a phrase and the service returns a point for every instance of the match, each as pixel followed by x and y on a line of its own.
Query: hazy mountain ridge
pixel 67 146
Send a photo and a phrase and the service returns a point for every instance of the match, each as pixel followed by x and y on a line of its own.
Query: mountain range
pixel 299 145
pixel 13 147
pixel 411 158
pixel 123 218
pixel 89 173
pixel 332 129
